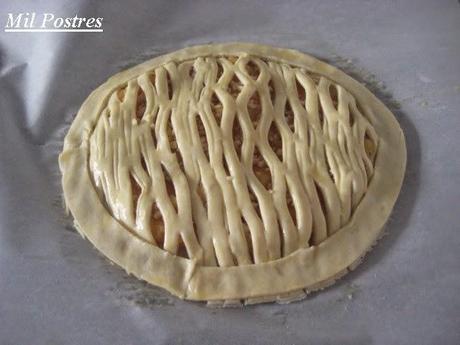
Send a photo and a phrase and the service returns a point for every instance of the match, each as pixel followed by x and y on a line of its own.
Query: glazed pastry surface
pixel 233 171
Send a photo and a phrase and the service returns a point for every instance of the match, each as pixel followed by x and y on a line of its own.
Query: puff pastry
pixel 233 172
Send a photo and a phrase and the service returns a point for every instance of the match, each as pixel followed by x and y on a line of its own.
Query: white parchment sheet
pixel 56 289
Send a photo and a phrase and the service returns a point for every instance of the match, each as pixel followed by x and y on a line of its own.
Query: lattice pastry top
pixel 233 171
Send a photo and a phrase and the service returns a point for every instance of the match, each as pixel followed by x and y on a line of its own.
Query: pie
pixel 233 172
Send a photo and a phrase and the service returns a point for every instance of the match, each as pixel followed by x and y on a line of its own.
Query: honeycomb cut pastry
pixel 233 172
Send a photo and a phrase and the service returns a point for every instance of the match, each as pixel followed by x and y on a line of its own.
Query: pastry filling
pixel 232 160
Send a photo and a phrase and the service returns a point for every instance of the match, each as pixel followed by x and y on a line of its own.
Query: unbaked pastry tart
pixel 233 172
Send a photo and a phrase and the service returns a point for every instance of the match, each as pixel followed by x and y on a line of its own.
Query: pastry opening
pixel 157 226
pixel 153 135
pixel 202 134
pixel 237 134
pixel 182 249
pixel 106 112
pixel 320 115
pixel 271 90
pixel 180 160
pixel 232 59
pixel 234 258
pixel 170 189
pixel 144 163
pixel 136 191
pixel 253 70
pixel 333 92
pixel 261 169
pixel 220 71
pixel 214 254
pixel 321 199
pixel 248 237
pixel 140 104
pixel 289 116
pixel 121 94
pixel 275 141
pixel 300 92
pixel 313 76
pixel 235 86
pixel 152 78
pixel 226 227
pixel 170 88
pixel 370 147
pixel 225 166
pixel 281 235
pixel 171 134
pixel 216 108
pixel 291 207
pixel 328 167
pixel 254 202
pixel 192 72
pixel 255 109
pixel 202 195
pixel 351 116
pixel 360 109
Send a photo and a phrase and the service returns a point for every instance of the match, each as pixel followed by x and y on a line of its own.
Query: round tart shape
pixel 233 171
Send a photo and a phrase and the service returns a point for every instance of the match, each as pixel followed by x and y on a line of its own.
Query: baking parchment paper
pixel 56 289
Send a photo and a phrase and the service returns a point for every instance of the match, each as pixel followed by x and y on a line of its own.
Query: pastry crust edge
pixel 310 268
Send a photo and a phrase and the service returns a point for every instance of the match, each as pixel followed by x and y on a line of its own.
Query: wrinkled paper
pixel 55 288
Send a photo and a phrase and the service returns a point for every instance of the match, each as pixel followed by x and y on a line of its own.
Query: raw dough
pixel 233 171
